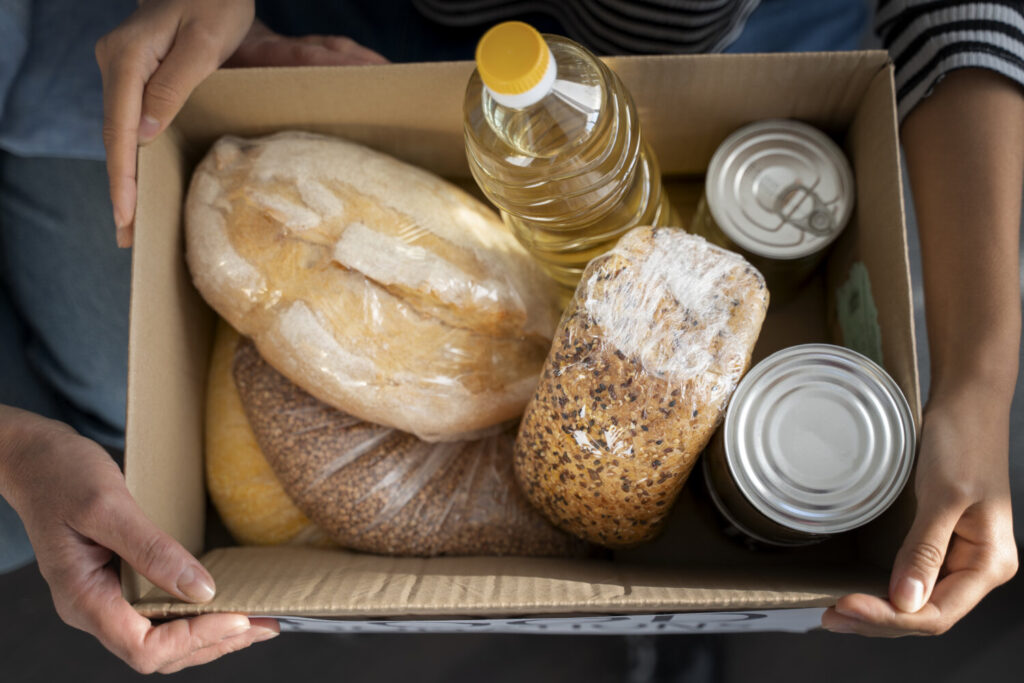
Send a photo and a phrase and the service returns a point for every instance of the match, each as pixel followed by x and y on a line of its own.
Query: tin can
pixel 817 440
pixel 779 192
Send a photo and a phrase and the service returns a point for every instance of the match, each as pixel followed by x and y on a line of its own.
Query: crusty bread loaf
pixel 657 336
pixel 375 489
pixel 245 491
pixel 378 287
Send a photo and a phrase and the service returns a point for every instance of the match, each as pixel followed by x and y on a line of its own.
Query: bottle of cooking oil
pixel 553 140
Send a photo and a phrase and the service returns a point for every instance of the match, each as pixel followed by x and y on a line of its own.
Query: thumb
pixel 121 526
pixel 920 558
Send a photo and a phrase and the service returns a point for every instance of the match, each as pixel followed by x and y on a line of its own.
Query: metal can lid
pixel 780 189
pixel 819 438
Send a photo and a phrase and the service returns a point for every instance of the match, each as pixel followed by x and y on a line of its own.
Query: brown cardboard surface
pixel 310 582
pixel 688 105
pixel 881 235
pixel 169 331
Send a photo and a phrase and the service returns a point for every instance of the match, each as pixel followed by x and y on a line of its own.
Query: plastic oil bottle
pixel 553 140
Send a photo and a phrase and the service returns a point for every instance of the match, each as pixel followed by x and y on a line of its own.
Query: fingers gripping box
pixel 692 577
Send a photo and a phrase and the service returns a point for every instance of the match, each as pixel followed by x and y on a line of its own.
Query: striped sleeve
pixel 929 38
pixel 614 26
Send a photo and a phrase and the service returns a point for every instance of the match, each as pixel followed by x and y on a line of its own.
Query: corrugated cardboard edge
pixel 165 319
pixel 881 244
pixel 325 583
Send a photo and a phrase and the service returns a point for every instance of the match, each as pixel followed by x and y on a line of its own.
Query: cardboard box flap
pixel 881 234
pixel 694 113
pixel 310 582
pixel 170 330
pixel 352 101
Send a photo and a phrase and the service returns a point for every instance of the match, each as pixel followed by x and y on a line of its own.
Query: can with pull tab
pixel 779 192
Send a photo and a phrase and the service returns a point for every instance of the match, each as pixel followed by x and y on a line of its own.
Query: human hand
pixel 150 64
pixel 153 61
pixel 78 514
pixel 263 47
pixel 961 544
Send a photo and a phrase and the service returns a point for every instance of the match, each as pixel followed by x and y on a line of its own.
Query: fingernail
pixel 122 236
pixel 260 634
pixel 909 595
pixel 195 586
pixel 120 220
pixel 846 613
pixel 148 128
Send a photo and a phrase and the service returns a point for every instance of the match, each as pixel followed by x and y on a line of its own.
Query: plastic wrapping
pixel 376 489
pixel 650 349
pixel 376 286
pixel 247 494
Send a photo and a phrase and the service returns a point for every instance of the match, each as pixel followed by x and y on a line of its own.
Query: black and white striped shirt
pixel 926 38
pixel 929 38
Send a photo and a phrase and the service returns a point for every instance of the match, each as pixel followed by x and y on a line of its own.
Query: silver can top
pixel 819 438
pixel 780 189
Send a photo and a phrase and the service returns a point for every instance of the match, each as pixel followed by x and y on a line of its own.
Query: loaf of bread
pixel 651 347
pixel 376 286
pixel 376 489
pixel 245 491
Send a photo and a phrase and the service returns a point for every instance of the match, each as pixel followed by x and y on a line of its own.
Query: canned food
pixel 817 440
pixel 779 192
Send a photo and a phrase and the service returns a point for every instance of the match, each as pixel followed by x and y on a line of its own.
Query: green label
pixel 858 317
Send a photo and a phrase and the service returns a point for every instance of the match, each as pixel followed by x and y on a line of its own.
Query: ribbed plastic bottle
pixel 553 140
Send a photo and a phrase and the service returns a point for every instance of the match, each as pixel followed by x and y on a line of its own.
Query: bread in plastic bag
pixel 376 286
pixel 651 347
pixel 376 489
pixel 250 500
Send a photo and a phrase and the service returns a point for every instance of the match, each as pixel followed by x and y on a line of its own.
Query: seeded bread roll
pixel 649 351
pixel 249 499
pixel 378 287
pixel 379 490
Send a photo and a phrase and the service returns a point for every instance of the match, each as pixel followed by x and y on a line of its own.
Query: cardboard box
pixel 691 578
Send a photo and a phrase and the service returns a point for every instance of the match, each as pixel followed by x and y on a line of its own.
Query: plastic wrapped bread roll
pixel 658 334
pixel 376 489
pixel 376 286
pixel 247 494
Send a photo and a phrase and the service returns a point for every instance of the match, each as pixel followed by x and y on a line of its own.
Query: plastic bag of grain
pixel 380 490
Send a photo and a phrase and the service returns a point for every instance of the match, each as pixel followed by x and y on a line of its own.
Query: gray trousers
pixel 64 289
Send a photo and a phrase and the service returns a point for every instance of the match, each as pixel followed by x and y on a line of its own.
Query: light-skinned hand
pixel 80 517
pixel 263 47
pixel 153 61
pixel 150 64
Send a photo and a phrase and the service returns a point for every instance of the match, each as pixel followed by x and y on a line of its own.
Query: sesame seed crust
pixel 621 415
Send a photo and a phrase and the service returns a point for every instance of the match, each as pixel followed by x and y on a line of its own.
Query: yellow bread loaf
pixel 251 502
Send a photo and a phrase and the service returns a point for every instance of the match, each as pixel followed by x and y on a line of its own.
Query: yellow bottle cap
pixel 512 57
